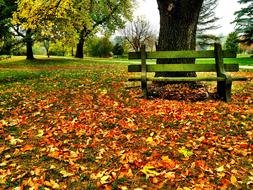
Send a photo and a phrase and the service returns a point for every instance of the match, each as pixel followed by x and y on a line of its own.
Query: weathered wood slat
pixel 182 67
pixel 176 79
pixel 180 54
pixel 186 79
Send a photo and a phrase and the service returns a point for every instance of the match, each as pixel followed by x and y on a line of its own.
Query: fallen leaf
pixel 105 179
pixel 185 152
pixel 220 169
pixel 233 180
pixel 65 173
pixel 27 148
pixel 149 171
pixel 40 133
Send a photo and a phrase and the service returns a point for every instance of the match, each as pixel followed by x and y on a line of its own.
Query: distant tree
pixel 118 49
pixel 109 15
pixel 137 33
pixel 232 42
pixel 244 22
pixel 206 23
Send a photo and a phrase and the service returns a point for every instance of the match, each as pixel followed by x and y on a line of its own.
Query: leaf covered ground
pixel 82 127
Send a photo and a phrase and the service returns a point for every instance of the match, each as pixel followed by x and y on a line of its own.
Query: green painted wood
pixel 182 67
pixel 183 79
pixel 187 79
pixel 223 87
pixel 144 72
pixel 219 60
pixel 181 54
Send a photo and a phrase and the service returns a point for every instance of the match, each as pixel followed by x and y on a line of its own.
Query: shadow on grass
pixel 20 76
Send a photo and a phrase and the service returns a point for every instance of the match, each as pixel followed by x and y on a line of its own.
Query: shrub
pixel 118 49
pixel 100 47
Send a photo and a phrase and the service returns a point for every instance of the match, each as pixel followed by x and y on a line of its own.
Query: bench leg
pixel 224 90
pixel 144 89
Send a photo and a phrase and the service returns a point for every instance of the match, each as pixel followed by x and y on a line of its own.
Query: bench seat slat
pixel 186 79
pixel 182 67
pixel 181 54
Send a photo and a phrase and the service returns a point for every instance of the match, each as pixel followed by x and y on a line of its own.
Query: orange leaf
pixel 27 148
pixel 233 180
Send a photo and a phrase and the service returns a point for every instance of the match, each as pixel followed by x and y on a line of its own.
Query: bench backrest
pixel 217 53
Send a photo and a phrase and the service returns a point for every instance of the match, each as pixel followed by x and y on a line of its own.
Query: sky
pixel 225 11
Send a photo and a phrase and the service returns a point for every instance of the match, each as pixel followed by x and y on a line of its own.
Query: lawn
pixel 78 124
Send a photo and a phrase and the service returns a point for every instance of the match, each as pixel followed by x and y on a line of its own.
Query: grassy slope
pixel 73 124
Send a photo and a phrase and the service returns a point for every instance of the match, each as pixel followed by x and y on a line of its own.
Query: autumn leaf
pixel 52 184
pixel 233 180
pixel 149 140
pixel 167 162
pixel 185 152
pixel 65 173
pixel 170 175
pixel 27 148
pixel 149 171
pixel 220 169
pixel 40 133
pixel 105 179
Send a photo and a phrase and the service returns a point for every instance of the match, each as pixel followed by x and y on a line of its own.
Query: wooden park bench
pixel 224 80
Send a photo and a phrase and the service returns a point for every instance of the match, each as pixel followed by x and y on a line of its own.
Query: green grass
pixel 18 68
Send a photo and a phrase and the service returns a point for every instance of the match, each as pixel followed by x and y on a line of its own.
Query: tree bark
pixel 178 25
pixel 29 45
pixel 79 48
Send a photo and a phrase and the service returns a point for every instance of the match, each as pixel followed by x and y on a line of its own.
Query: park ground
pixel 78 124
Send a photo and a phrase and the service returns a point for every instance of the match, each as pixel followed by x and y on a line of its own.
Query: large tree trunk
pixel 29 45
pixel 79 48
pixel 178 25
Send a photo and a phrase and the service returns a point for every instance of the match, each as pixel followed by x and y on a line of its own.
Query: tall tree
pixel 232 42
pixel 206 23
pixel 138 32
pixel 7 7
pixel 109 14
pixel 244 22
pixel 40 17
pixel 178 26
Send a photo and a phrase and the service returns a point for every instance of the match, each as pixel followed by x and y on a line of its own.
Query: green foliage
pixel 100 47
pixel 118 49
pixel 244 22
pixel 232 42
pixel 7 7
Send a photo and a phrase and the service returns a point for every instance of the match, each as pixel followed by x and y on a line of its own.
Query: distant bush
pixel 100 47
pixel 118 50
pixel 21 50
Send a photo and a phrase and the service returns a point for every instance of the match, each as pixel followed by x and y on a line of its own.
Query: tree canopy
pixel 244 22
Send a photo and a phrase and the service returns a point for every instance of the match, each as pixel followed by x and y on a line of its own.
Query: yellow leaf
pixel 54 185
pixel 233 180
pixel 104 179
pixel 40 133
pixel 170 175
pixel 220 169
pixel 148 170
pixel 185 152
pixel 65 173
pixel 149 140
